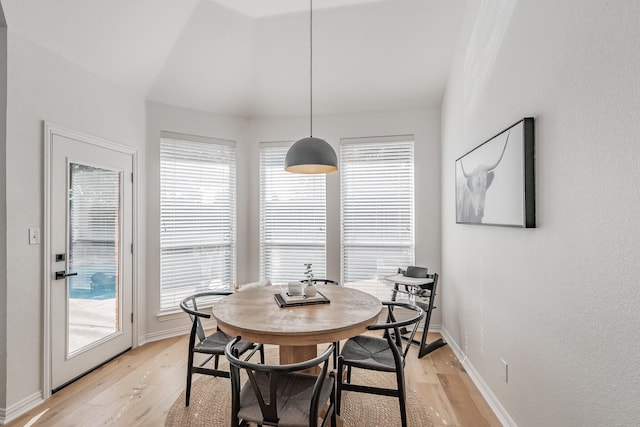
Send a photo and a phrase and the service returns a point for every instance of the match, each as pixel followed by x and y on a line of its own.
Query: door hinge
pixel 131 317
pixel 131 176
pixel 132 248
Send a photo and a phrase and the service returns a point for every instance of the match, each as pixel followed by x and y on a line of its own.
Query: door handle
pixel 63 274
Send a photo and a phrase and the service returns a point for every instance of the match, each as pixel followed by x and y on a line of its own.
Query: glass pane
pixel 94 230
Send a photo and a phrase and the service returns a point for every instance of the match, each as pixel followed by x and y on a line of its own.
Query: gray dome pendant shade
pixel 311 155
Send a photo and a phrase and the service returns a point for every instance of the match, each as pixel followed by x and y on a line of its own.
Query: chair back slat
pixel 199 329
pixel 407 343
pixel 391 318
pixel 399 347
pixel 189 303
pixel 268 408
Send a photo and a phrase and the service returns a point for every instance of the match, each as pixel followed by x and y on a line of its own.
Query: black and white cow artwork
pixel 472 190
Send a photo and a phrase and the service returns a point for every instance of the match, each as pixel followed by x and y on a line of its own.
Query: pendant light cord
pixel 311 68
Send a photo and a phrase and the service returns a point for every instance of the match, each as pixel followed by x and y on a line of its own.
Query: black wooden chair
pixel 212 345
pixel 424 296
pixel 280 394
pixel 387 354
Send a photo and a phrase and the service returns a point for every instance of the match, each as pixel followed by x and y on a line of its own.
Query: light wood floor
pixel 139 387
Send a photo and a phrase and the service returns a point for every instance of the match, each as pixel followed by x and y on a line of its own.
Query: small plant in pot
pixel 309 290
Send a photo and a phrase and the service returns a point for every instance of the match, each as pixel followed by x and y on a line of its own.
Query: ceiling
pixel 250 58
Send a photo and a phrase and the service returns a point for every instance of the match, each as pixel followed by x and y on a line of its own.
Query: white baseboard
pixel 19 408
pixel 160 335
pixel 435 328
pixel 170 333
pixel 495 405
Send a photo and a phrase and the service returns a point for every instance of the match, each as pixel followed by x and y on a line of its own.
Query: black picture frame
pixel 495 182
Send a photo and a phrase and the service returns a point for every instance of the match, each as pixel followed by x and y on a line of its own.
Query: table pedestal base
pixel 299 353
pixel 294 354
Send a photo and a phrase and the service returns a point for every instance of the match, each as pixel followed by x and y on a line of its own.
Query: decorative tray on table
pixel 285 300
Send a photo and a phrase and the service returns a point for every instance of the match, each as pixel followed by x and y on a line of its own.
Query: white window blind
pixel 377 206
pixel 94 220
pixel 292 218
pixel 198 216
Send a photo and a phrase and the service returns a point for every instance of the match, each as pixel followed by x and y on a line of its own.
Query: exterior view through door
pixel 90 251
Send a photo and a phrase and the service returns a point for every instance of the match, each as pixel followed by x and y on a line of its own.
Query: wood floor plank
pixel 437 404
pixel 467 413
pixel 445 362
pixel 481 404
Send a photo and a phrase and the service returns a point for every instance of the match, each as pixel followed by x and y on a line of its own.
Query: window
pixel 198 215
pixel 377 206
pixel 292 218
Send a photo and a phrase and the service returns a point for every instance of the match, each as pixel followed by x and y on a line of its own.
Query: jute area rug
pixel 211 405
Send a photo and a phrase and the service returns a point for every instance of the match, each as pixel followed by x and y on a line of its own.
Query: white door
pixel 91 254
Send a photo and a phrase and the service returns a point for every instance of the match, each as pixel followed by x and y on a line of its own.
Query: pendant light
pixel 311 155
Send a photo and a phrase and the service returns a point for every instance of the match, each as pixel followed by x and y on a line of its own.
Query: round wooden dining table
pixel 255 316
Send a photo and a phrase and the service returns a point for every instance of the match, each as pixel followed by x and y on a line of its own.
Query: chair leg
pixel 189 373
pixel 261 354
pixel 402 397
pixel 234 375
pixel 332 403
pixel 340 372
pixel 192 341
pixel 215 362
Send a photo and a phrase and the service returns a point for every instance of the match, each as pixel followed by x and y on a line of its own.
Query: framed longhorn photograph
pixel 495 180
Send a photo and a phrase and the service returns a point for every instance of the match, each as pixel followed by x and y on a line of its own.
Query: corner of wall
pixel 3 214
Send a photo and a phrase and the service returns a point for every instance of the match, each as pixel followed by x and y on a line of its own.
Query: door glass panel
pixel 93 244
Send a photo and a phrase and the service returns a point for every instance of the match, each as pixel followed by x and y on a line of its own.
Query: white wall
pixel 424 124
pixel 3 209
pixel 43 86
pixel 560 302
pixel 162 117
